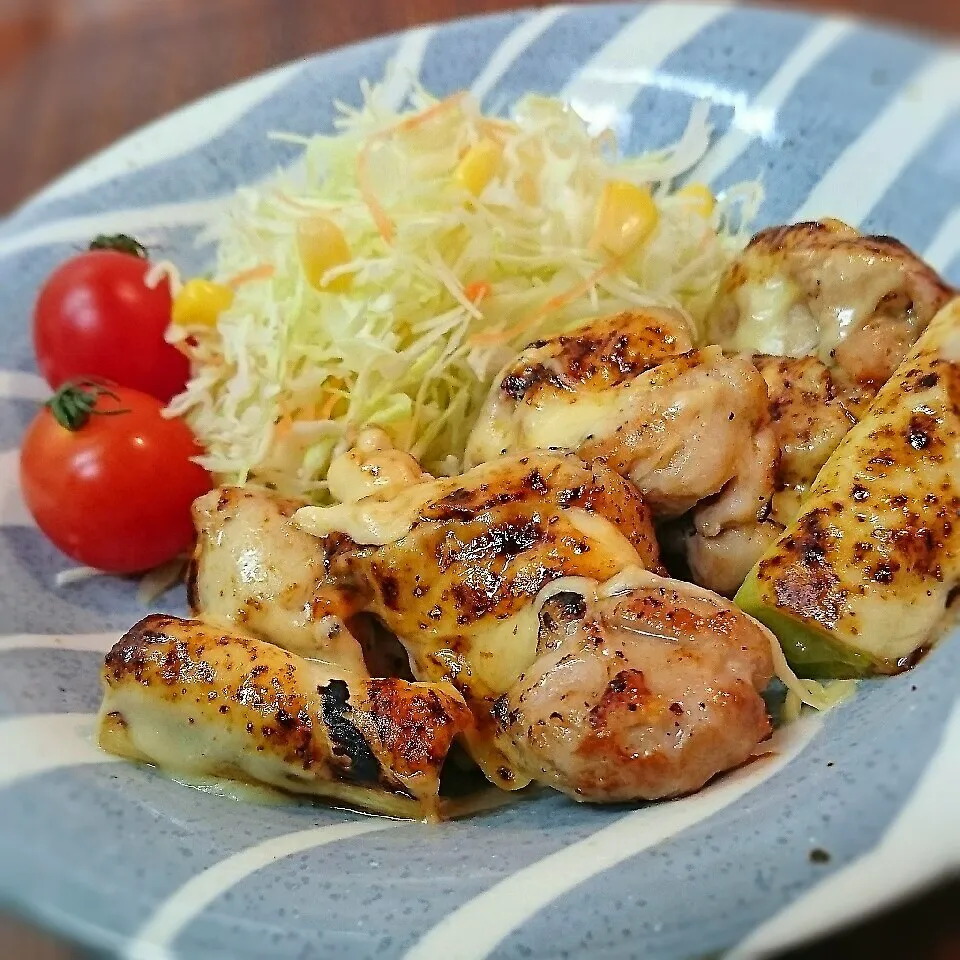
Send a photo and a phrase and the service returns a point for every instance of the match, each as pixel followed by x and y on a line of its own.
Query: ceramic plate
pixel 855 807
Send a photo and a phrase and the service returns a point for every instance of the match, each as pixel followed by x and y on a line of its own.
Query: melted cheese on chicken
pixel 254 567
pixel 372 468
pixel 458 586
pixel 199 701
pixel 822 289
pixel 563 385
pixel 872 560
pixel 642 688
pixel 680 426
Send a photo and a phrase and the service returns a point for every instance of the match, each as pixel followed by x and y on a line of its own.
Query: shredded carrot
pixel 496 337
pixel 385 226
pixel 476 291
pixel 382 221
pixel 324 412
pixel 262 271
pixel 283 426
pixel 418 119
pixel 497 129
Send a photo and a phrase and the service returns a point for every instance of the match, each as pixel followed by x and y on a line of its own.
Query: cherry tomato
pixel 96 317
pixel 109 480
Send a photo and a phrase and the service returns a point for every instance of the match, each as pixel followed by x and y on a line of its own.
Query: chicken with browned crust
pixel 643 688
pixel 811 412
pixel 199 701
pixel 454 566
pixel 253 566
pixel 691 429
pixel 822 289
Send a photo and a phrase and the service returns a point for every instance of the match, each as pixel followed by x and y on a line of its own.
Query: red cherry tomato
pixel 109 480
pixel 95 317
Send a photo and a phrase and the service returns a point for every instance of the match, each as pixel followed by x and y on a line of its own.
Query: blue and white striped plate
pixel 840 119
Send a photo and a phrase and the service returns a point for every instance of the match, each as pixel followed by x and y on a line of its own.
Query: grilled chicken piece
pixel 694 427
pixel 822 289
pixel 721 563
pixel 255 567
pixel 682 426
pixel 690 430
pixel 811 413
pixel 453 567
pixel 642 688
pixel 557 390
pixel 199 702
pixel 861 581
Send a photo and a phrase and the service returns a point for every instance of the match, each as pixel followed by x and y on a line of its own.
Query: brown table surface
pixel 74 76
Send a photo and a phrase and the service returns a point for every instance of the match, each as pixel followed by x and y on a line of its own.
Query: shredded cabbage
pixel 289 373
pixel 801 692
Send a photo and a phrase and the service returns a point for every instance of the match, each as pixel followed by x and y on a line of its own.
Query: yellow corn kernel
pixel 200 302
pixel 478 166
pixel 626 216
pixel 322 246
pixel 699 198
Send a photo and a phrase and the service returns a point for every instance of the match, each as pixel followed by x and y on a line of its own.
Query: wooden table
pixel 74 76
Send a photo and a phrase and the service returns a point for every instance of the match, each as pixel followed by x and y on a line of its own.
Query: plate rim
pixel 118 158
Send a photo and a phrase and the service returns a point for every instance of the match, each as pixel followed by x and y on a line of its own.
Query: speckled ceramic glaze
pixel 837 118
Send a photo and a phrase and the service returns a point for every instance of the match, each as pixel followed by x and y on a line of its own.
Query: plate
pixel 851 810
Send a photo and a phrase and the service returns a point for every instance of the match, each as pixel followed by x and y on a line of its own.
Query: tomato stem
pixel 76 401
pixel 119 242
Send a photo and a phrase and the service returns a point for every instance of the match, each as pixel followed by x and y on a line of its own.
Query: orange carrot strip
pixel 261 271
pixel 283 426
pixel 418 119
pixel 381 220
pixel 561 300
pixel 324 412
pixel 385 226
pixel 476 291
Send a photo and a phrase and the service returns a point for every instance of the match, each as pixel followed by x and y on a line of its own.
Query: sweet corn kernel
pixel 626 216
pixel 699 198
pixel 200 302
pixel 322 246
pixel 478 165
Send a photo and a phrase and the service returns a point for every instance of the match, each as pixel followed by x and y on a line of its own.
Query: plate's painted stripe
pixel 916 202
pixel 404 68
pixel 758 117
pixel 945 246
pixel 40 742
pixel 18 385
pixel 474 930
pixel 921 844
pixel 13 511
pixel 132 220
pixel 95 642
pixel 513 46
pixel 607 84
pixel 864 171
pixel 173 135
pixel 153 938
